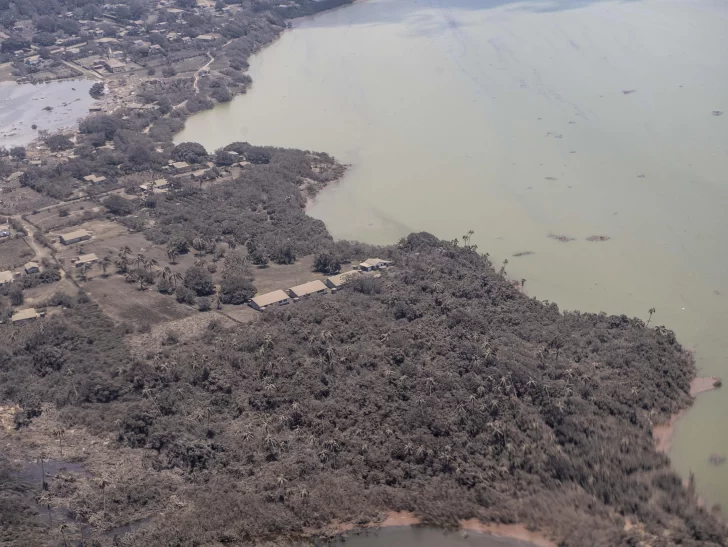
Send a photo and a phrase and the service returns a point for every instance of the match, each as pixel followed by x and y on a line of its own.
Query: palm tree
pixel 41 459
pixel 59 433
pixel 472 400
pixel 105 263
pixel 122 262
pixel 165 273
pixel 408 449
pixel 430 383
pixel 140 259
pixel 651 311
pixel 125 250
pixel 503 268
pixel 63 534
pixel 176 276
pixel 523 282
pixel 151 263
pixel 172 254
pixel 200 262
pixel 83 274
pixel 323 456
pixel 199 245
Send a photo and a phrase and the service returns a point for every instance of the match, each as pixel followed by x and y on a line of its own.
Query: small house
pixel 338 281
pixel 371 264
pixel 74 237
pixel 307 289
pixel 181 167
pixel 201 174
pixel 94 179
pixel 114 66
pixel 88 259
pixel 23 316
pixel 207 38
pixel 4 232
pixel 275 298
pixel 31 267
pixel 6 277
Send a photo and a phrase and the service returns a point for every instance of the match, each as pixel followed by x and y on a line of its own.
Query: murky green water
pixel 521 120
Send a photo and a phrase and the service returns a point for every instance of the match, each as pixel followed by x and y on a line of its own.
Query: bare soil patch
pixel 124 301
pixel 22 200
pixel 54 218
pixel 41 293
pixel 14 253
pixel 278 276
pixel 184 329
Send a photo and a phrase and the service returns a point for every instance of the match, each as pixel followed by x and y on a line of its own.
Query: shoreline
pixel 404 519
pixel 664 434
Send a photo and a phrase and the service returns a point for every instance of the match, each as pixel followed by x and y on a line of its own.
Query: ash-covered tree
pixel 17 152
pixel 327 263
pixel 191 152
pixel 58 142
pixel 199 280
pixel 97 90
pixel 118 205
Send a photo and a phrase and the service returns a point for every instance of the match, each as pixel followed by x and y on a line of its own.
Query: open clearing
pixel 124 301
pixel 23 200
pixel 14 253
pixel 78 212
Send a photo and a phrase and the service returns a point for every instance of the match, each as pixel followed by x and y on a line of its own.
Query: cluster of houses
pixel 333 283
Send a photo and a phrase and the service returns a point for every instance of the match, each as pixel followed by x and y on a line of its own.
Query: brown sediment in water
pixel 511 531
pixel 664 433
pixel 407 518
pixel 598 238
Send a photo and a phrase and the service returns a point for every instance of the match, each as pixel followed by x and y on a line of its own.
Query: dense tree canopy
pixel 438 388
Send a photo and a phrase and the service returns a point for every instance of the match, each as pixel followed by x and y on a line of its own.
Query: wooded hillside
pixel 438 388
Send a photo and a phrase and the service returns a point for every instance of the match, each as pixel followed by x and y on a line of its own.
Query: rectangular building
pixel 337 281
pixel 25 315
pixel 89 258
pixel 74 237
pixel 307 289
pixel 275 298
pixel 374 264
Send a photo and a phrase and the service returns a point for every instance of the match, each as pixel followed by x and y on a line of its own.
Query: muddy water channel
pixel 583 141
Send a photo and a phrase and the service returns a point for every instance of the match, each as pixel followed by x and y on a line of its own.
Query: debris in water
pixel 717 112
pixel 523 253
pixel 716 459
pixel 562 238
pixel 551 178
pixel 629 91
pixel 598 238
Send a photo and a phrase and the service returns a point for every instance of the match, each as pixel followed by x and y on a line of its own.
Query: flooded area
pixel 403 536
pixel 50 106
pixel 582 141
